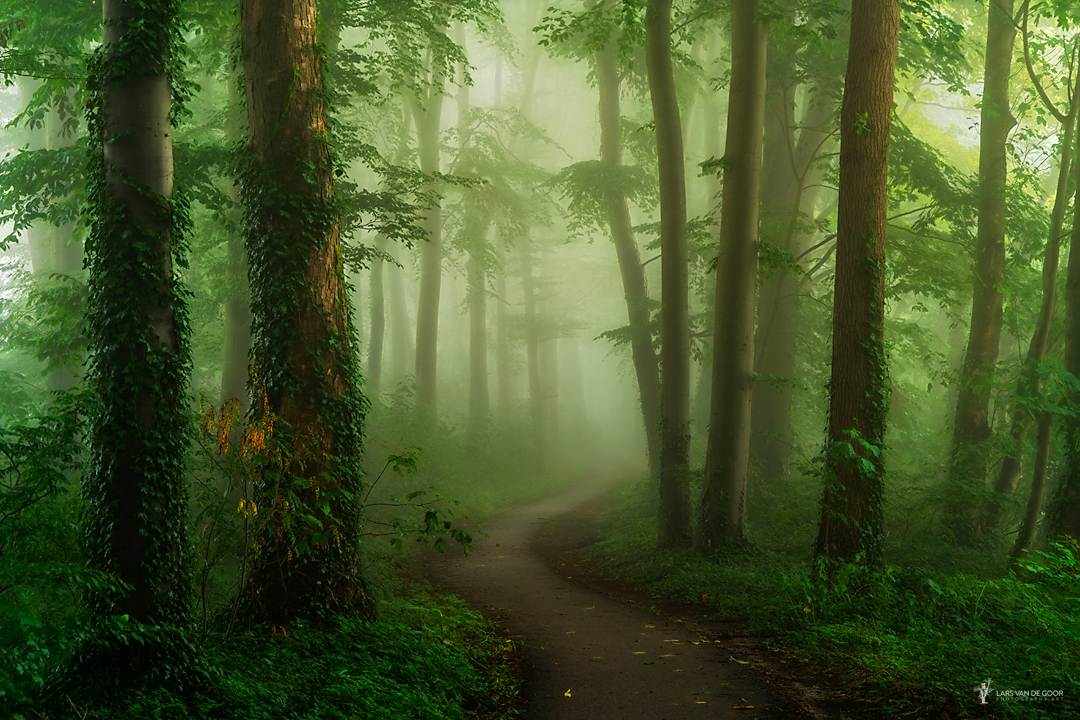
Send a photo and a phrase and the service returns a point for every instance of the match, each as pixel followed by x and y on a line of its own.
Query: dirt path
pixel 588 656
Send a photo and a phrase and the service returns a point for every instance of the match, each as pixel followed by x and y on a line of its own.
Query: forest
pixel 761 312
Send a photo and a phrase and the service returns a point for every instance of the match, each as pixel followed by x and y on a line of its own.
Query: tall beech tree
pixel 972 429
pixel 852 506
pixel 427 117
pixel 723 504
pixel 635 289
pixel 674 312
pixel 307 408
pixel 139 349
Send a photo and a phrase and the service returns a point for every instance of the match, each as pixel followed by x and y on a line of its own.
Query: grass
pixel 905 638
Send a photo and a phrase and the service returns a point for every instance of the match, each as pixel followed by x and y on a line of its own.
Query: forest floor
pixel 596 647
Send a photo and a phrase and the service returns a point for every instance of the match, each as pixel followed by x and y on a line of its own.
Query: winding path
pixel 587 656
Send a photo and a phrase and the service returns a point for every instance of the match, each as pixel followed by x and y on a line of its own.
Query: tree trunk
pixel 428 123
pixel 378 323
pixel 401 330
pixel 308 409
pixel 635 290
pixel 140 355
pixel 971 431
pixel 674 528
pixel 1027 385
pixel 237 310
pixel 852 506
pixel 1026 536
pixel 723 504
pixel 791 185
pixel 1063 513
pixel 478 371
pixel 532 353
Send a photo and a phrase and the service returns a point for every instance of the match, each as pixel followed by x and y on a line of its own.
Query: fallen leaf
pixel 741 662
pixel 742 707
pixel 567 693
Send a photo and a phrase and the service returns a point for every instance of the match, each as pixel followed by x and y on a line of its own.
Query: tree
pixel 1028 384
pixel 427 115
pixel 646 365
pixel 307 408
pixel 674 312
pixel 723 504
pixel 140 357
pixel 852 506
pixel 972 425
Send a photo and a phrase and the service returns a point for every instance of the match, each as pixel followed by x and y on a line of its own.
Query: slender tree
pixel 427 117
pixel 723 505
pixel 972 424
pixel 852 506
pixel 1028 384
pixel 635 289
pixel 674 314
pixel 306 377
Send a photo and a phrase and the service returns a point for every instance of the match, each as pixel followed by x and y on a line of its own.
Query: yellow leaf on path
pixel 742 707
pixel 567 693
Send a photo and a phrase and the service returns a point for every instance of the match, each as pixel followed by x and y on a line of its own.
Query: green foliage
pixel 906 637
pixel 41 563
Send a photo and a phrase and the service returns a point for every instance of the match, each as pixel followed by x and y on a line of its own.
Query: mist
pixel 381 320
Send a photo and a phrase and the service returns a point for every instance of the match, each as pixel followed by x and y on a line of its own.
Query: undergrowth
pixel 904 637
pixel 424 656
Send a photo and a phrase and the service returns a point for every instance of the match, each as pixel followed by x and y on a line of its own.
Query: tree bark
pixel 967 473
pixel 635 289
pixel 308 400
pixel 723 504
pixel 674 530
pixel 852 507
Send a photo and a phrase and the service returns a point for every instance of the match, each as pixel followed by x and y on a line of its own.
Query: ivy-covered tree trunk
pixel 139 350
pixel 723 503
pixel 852 506
pixel 674 312
pixel 646 364
pixel 971 431
pixel 308 409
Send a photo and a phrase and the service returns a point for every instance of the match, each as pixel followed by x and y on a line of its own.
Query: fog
pixel 475 253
